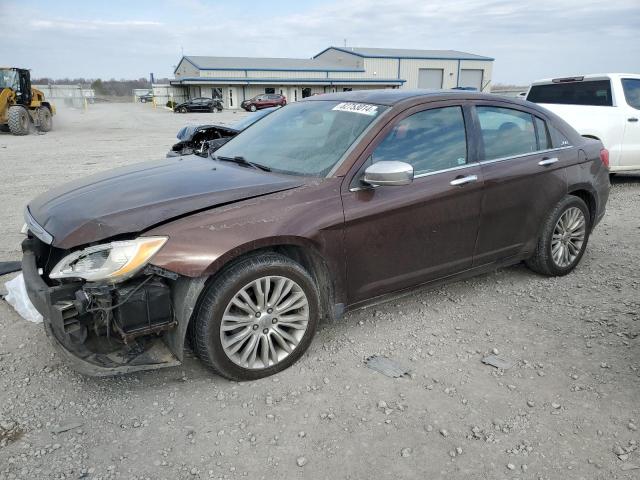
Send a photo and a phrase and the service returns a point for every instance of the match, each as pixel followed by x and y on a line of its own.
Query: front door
pixel 524 178
pixel 400 236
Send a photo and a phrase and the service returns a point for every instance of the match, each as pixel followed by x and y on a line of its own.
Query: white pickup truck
pixel 603 106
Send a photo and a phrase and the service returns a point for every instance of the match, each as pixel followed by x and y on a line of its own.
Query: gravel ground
pixel 567 409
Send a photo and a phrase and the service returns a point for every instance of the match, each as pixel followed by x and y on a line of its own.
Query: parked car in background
pixel 201 104
pixel 147 97
pixel 601 106
pixel 323 206
pixel 264 101
pixel 205 139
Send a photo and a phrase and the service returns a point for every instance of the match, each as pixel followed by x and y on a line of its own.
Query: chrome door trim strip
pixel 538 152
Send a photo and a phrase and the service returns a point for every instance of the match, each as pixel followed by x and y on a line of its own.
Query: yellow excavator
pixel 22 106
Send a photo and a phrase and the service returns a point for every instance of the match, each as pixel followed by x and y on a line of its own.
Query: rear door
pixel 524 178
pixel 631 144
pixel 401 236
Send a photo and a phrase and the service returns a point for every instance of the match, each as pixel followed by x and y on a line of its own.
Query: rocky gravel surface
pixel 567 408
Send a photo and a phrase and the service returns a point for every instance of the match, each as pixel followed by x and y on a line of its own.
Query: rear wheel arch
pixel 589 198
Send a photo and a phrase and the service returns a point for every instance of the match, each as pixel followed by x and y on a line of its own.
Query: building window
pixel 216 93
pixel 295 95
pixel 231 97
pixel 281 92
pixel 306 92
pixel 270 90
pixel 347 89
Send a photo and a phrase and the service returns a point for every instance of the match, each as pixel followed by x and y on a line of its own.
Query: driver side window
pixel 430 141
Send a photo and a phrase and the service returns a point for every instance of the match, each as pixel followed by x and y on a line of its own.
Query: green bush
pixel 171 104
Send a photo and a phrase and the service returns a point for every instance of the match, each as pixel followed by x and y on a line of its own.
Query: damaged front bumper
pixel 60 315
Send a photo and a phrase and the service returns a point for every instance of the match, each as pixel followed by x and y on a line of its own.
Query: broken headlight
pixel 114 262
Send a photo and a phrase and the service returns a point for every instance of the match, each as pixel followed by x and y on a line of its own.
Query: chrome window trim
pixel 537 152
pixel 452 169
pixel 36 229
pixel 421 175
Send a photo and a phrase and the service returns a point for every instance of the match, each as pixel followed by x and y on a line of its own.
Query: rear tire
pixel 219 321
pixel 19 121
pixel 564 238
pixel 46 120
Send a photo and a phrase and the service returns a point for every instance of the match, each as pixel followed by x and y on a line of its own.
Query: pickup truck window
pixel 631 87
pixel 588 92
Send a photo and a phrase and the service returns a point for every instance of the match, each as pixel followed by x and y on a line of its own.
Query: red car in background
pixel 264 101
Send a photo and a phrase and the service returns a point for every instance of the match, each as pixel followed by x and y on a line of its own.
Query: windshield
pixel 8 79
pixel 251 118
pixel 305 138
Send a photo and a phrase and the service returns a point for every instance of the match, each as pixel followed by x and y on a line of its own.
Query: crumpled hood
pixel 134 198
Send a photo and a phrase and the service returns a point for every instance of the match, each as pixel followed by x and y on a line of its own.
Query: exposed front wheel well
pixel 310 260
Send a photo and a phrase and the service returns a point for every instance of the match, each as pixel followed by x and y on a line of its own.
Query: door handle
pixel 547 161
pixel 632 119
pixel 463 180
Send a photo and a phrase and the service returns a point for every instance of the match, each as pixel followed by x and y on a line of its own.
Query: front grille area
pixel 47 256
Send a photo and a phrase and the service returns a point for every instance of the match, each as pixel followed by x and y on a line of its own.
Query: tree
pixel 98 87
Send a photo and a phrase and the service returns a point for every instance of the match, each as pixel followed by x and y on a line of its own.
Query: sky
pixel 129 39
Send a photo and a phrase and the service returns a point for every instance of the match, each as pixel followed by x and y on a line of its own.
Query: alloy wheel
pixel 568 237
pixel 264 322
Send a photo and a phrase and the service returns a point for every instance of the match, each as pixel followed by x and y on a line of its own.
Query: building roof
pixel 408 53
pixel 270 64
pixel 287 81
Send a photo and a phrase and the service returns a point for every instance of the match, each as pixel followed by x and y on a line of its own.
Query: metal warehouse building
pixel 234 79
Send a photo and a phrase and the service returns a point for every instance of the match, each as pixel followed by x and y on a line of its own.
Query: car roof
pixel 589 76
pixel 394 96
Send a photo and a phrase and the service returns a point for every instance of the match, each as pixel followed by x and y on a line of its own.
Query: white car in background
pixel 602 106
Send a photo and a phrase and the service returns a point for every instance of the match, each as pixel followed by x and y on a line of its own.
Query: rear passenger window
pixel 431 140
pixel 544 139
pixel 506 132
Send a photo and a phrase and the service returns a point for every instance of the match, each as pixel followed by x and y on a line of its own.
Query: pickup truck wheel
pixel 257 318
pixel 564 238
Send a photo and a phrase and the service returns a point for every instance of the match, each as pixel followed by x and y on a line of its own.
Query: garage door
pixel 471 78
pixel 430 78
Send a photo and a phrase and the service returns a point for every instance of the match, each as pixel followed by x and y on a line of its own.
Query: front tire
pixel 253 108
pixel 182 110
pixel 19 121
pixel 257 318
pixel 564 238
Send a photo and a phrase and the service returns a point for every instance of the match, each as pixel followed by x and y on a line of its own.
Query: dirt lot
pixel 568 409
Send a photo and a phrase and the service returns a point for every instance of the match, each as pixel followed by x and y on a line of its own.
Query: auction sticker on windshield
pixel 361 108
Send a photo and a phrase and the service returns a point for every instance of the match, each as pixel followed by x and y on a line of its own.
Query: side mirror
pixel 388 173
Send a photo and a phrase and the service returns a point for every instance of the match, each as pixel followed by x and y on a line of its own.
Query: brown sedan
pixel 323 206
